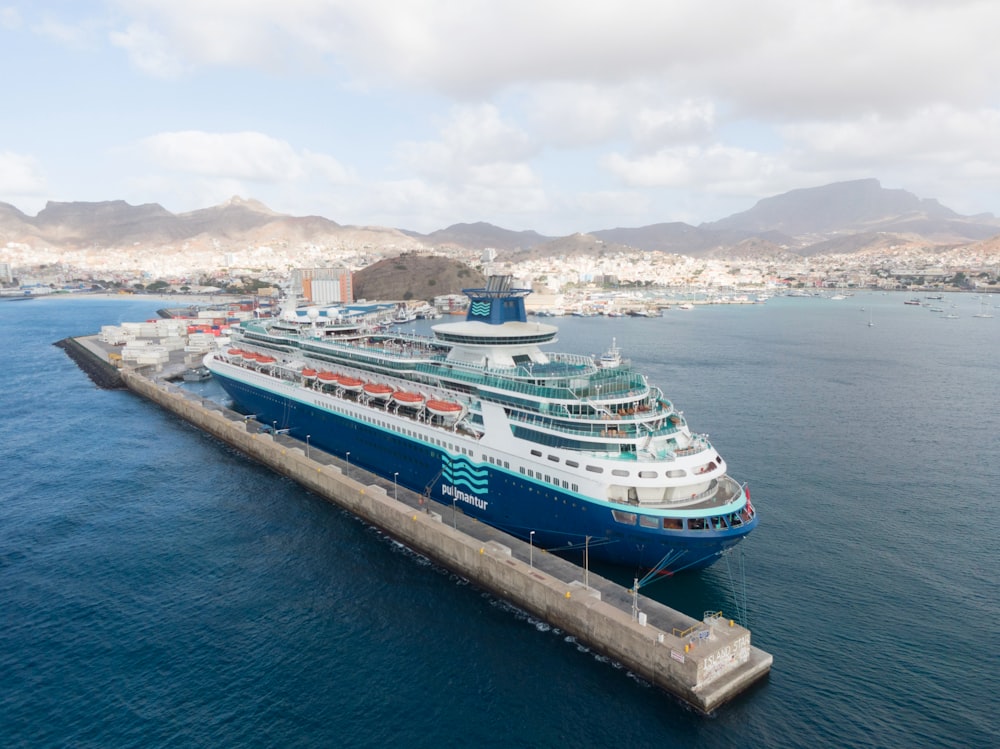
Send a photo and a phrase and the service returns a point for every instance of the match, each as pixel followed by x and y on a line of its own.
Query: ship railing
pixel 693 449
pixel 593 428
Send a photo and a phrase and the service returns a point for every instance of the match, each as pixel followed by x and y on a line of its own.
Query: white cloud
pixel 20 175
pixel 720 168
pixel 245 156
pixel 476 141
pixel 633 111
pixel 150 51
pixel 775 53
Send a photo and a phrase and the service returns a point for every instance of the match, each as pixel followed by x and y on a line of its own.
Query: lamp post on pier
pixel 395 483
pixel 531 550
pixel 307 444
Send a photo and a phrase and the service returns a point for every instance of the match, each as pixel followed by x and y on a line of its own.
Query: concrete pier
pixel 703 662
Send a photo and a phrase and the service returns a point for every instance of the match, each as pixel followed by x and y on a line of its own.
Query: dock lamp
pixel 531 550
pixel 347 457
pixel 395 494
pixel 307 444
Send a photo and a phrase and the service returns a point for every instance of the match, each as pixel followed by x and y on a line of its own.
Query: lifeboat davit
pixel 444 409
pixel 351 383
pixel 375 390
pixel 412 400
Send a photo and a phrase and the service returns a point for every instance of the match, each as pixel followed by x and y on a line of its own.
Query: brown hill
pixel 411 276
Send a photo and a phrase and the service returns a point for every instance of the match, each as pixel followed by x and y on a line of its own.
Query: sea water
pixel 157 588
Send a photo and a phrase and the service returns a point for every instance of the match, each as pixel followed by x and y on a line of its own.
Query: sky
pixel 559 116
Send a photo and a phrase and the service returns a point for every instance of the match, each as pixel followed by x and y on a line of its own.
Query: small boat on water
pixel 610 358
pixel 197 374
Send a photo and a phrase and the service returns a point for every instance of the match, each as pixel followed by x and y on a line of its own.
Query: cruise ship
pixel 570 452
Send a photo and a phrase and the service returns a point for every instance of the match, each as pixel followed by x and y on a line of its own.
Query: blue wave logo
pixel 480 309
pixel 458 471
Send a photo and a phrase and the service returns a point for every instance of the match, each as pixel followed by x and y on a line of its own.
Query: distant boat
pixel 197 374
pixel 610 358
pixel 984 309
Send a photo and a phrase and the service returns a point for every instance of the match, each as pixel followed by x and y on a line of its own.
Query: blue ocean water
pixel 159 589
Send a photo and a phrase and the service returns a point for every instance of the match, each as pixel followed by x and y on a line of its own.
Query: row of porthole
pixel 619 472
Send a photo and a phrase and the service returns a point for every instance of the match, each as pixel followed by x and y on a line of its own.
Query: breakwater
pixel 100 371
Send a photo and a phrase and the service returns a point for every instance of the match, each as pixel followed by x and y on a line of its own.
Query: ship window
pixel 572 464
pixel 647 522
pixel 554 458
pixel 531 473
pixel 565 484
pixel 595 469
pixel 676 473
pixel 697 524
pixel 547 479
pixel 674 524
pixel 619 472
pixel 647 474
pixel 536 453
pixel 506 464
pixel 624 517
pixel 522 469
pixel 575 487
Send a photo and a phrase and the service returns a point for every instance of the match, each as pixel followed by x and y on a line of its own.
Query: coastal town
pixel 264 269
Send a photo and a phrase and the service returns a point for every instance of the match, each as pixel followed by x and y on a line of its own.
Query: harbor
pixel 703 662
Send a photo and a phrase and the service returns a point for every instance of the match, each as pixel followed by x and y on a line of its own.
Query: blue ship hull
pixel 561 520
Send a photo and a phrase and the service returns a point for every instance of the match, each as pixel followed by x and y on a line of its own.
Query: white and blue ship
pixel 568 451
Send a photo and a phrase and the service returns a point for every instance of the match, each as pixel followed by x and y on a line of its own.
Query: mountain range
pixel 839 218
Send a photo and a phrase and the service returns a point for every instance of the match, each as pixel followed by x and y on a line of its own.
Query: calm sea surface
pixel 159 589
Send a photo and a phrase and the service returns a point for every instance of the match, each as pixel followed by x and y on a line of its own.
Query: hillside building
pixel 324 285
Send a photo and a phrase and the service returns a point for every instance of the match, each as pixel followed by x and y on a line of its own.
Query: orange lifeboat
pixel 351 383
pixel 327 378
pixel 263 359
pixel 375 390
pixel 308 374
pixel 444 409
pixel 411 400
pixel 235 353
